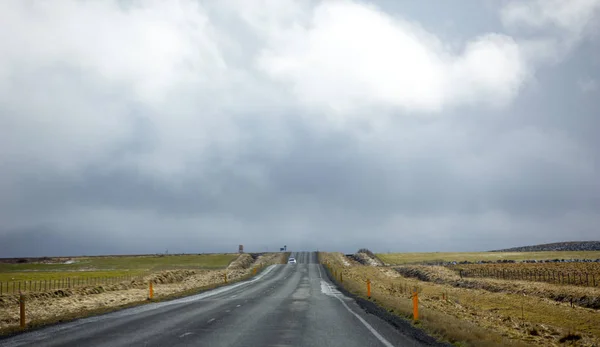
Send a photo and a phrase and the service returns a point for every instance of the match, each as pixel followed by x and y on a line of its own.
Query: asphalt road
pixel 286 305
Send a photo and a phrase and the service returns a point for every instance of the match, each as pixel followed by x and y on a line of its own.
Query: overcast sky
pixel 195 126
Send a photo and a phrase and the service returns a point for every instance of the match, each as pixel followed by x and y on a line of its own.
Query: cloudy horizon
pixel 194 126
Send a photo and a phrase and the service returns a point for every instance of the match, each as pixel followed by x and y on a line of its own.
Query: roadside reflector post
pixel 150 290
pixel 369 288
pixel 22 309
pixel 255 270
pixel 225 277
pixel 341 278
pixel 415 306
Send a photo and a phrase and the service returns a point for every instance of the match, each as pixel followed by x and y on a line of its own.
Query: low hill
pixel 557 246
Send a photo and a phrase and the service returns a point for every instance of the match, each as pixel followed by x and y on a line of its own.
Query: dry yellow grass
pixel 415 258
pixel 474 317
pixel 584 274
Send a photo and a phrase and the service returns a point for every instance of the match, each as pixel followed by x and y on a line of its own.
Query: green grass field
pixel 85 267
pixel 415 258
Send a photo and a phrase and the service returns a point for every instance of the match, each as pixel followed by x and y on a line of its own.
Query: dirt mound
pixel 366 259
pixel 244 261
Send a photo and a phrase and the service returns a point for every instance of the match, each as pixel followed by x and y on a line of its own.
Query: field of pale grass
pixel 50 269
pixel 416 258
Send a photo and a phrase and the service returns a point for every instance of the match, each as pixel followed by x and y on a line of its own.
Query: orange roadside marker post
pixel 150 291
pixel 368 288
pixel 416 306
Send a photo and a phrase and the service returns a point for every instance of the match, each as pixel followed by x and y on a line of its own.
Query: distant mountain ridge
pixel 557 246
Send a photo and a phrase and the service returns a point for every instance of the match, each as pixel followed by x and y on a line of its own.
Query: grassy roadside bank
pixel 52 309
pixel 471 316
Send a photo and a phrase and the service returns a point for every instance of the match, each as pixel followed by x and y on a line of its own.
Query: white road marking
pixel 238 305
pixel 186 334
pixel 228 311
pixel 364 322
pixel 233 296
pixel 211 320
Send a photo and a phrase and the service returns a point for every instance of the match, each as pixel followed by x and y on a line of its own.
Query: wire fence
pixel 15 287
pixel 550 276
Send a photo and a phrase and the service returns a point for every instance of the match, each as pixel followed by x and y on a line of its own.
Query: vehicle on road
pixel 292 261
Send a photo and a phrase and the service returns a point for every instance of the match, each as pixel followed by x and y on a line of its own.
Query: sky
pixel 194 126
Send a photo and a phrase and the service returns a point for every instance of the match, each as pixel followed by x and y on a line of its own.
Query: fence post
pixel 22 309
pixel 415 306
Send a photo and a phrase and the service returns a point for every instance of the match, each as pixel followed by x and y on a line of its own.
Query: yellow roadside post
pixel 415 306
pixel 150 290
pixel 22 309
pixel 255 271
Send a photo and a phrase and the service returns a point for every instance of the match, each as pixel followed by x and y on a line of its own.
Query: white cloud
pixel 348 55
pixel 152 47
pixel 74 74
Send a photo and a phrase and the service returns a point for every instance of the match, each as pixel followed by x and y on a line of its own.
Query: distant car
pixel 292 261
